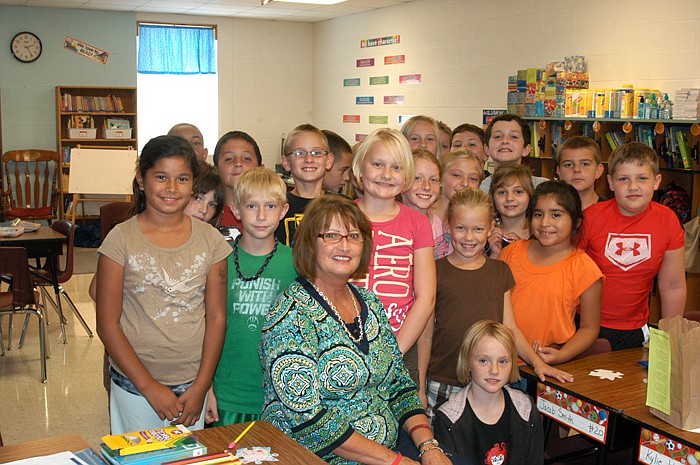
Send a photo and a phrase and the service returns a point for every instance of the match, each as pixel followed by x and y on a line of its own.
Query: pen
pixel 240 436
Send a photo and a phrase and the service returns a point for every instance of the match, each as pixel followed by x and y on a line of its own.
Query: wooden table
pixel 604 401
pixel 43 243
pixel 625 401
pixel 262 434
pixel 69 442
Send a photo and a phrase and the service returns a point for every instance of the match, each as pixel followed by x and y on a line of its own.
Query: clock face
pixel 26 47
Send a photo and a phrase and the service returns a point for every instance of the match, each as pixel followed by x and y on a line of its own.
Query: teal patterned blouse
pixel 320 386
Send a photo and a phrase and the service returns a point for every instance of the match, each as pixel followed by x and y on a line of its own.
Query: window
pixel 177 80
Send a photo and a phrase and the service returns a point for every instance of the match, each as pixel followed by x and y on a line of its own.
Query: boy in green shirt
pixel 259 269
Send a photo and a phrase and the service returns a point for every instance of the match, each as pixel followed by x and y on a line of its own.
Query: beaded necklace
pixel 262 268
pixel 356 340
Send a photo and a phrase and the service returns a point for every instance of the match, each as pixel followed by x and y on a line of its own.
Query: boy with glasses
pixel 306 156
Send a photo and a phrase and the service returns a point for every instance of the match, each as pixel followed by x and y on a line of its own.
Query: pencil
pixel 240 436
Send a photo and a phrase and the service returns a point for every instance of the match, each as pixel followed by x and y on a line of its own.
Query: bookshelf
pixel 548 133
pixel 95 117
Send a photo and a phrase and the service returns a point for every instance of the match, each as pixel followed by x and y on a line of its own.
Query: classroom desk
pixel 593 406
pixel 654 449
pixel 625 401
pixel 46 446
pixel 43 243
pixel 261 434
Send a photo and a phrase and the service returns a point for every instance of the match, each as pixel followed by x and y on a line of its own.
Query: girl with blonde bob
pixel 487 407
pixel 402 270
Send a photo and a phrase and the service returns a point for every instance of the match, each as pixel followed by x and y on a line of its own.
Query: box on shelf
pixel 116 133
pixel 82 133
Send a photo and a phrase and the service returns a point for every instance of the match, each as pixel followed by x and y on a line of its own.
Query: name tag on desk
pixel 584 417
pixel 656 449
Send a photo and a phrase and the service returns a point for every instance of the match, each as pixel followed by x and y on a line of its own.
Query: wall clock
pixel 26 47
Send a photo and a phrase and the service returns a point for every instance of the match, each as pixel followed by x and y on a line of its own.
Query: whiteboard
pixel 101 171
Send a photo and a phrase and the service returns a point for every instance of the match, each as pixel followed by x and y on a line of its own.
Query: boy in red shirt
pixel 632 239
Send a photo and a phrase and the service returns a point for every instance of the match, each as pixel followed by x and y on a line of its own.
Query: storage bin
pixel 117 133
pixel 82 133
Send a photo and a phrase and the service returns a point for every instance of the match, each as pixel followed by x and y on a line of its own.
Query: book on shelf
pixel 147 440
pixel 117 123
pixel 615 138
pixel 187 449
pixel 93 104
pixel 81 122
pixel 681 137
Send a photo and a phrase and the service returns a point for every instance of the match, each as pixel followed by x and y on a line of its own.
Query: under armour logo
pixel 628 250
pixel 621 247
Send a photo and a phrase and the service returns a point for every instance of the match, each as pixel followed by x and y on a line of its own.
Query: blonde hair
pixel 411 124
pixel 462 154
pixel 633 152
pixel 302 128
pixel 476 333
pixel 258 181
pixel 396 144
pixel 472 198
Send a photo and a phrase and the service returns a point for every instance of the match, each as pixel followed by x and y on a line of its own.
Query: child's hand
pixel 495 243
pixel 550 355
pixel 511 237
pixel 193 398
pixel 541 369
pixel 212 412
pixel 164 401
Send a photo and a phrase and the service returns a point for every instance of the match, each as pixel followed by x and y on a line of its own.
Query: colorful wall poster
pixel 379 119
pixel 365 100
pixel 404 118
pixel 379 41
pixel 410 79
pixel 85 49
pixel 351 82
pixel 360 137
pixel 393 100
pixel 351 118
pixel 364 62
pixel 488 115
pixel 394 59
pixel 378 80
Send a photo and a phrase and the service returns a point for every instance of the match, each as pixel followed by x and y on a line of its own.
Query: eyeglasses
pixel 334 238
pixel 299 153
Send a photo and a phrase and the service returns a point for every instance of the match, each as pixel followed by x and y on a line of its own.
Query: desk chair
pixel 24 299
pixel 112 214
pixel 43 279
pixel 30 189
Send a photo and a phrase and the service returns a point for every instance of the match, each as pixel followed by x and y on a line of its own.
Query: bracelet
pixel 428 449
pixel 418 426
pixel 397 459
pixel 432 442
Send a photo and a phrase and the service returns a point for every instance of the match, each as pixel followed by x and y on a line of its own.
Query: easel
pixel 100 170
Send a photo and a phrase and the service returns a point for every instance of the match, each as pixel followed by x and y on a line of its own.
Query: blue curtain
pixel 176 50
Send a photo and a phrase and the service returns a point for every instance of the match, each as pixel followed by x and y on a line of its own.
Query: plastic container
pixel 82 133
pixel 116 133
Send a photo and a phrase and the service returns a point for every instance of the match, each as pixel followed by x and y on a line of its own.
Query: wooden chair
pixel 14 263
pixel 112 214
pixel 30 189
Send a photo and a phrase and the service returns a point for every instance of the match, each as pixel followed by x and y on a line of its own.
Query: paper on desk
pixel 62 458
pixel 659 379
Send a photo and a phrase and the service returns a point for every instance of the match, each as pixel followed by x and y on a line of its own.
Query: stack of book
pixel 151 447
